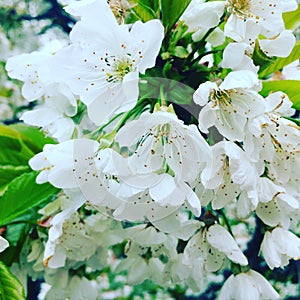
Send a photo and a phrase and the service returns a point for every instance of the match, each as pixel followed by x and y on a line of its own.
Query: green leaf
pixel 171 11
pixel 10 286
pixel 260 58
pixel 23 193
pixel 146 9
pixel 18 144
pixel 292 19
pixel 290 87
pixel 279 63
pixel 16 234
pixel 33 137
pixel 9 172
pixel 14 150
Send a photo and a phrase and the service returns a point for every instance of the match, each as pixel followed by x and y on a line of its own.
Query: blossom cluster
pixel 132 172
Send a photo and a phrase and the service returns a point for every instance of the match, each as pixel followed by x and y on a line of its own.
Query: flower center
pixel 160 134
pixel 241 8
pixel 220 98
pixel 118 68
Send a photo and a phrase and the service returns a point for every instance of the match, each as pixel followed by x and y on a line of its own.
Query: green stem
pixel 202 42
pixel 226 222
pixel 99 130
pixel 141 103
pixel 163 101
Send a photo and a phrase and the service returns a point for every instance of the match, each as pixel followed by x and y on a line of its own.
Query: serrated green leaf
pixel 171 11
pixel 23 193
pixel 10 286
pixel 279 63
pixel 292 19
pixel 290 87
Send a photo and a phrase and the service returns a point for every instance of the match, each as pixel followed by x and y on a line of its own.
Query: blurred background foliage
pixel 26 26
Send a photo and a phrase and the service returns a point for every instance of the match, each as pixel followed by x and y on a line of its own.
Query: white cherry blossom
pixel 248 286
pixel 229 105
pixel 201 16
pixel 278 211
pixel 135 196
pixel 161 141
pixel 230 173
pixel 237 56
pixel 279 246
pixel 54 116
pixel 33 70
pixel 145 242
pixel 275 139
pixel 57 163
pixel 103 66
pixel 212 245
pixel 65 286
pixel 56 249
pixel 265 17
pixel 164 155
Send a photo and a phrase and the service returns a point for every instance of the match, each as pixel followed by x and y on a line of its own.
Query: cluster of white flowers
pixel 135 173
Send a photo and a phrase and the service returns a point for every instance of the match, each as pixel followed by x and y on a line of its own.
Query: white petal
pixel 38 161
pixel 267 189
pixel 201 96
pixel 106 104
pixel 148 37
pixel 138 272
pixel 194 204
pixel 244 206
pixel 287 242
pixel 130 87
pixel 265 289
pixel 281 46
pixel 58 259
pixel 233 55
pixel 207 118
pixel 3 244
pixel 214 260
pixel 235 28
pixel 269 251
pixel 231 125
pixel 40 116
pixel 240 79
pixel 149 236
pixel 268 212
pixel 163 188
pixel 221 239
pixel 216 38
